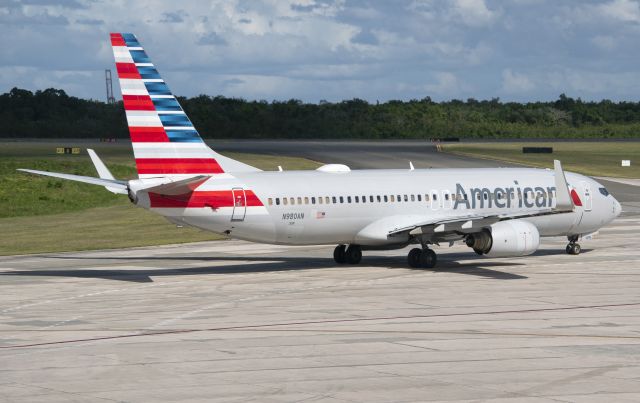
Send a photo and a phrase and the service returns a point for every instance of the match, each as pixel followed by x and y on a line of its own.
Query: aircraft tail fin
pixel 165 142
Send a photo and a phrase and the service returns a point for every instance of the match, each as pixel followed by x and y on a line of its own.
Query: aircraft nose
pixel 617 208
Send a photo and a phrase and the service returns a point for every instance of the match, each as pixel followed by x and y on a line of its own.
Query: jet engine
pixel 505 239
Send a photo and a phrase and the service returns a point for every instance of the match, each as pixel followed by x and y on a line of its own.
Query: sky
pixel 313 50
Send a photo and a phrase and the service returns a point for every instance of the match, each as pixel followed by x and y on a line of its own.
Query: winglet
pixel 563 197
pixel 103 171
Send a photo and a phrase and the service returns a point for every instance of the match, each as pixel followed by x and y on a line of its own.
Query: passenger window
pixel 348 199
pixel 413 198
pixel 419 197
pixel 435 197
pixel 277 201
pixel 426 198
pixel 603 191
pixel 364 199
pixel 292 200
pixel 306 200
pixel 341 199
pixel 386 199
pixel 446 196
pixel 313 200
pixel 406 199
pixel 379 198
pixel 392 198
pixel 299 200
pixel 327 200
pixel 284 201
pixel 357 199
pixel 371 199
pixel 399 198
pixel 270 200
pixel 320 200
pixel 334 199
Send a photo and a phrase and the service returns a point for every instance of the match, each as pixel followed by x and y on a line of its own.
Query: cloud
pixel 173 17
pixel 604 42
pixel 623 10
pixel 211 38
pixel 89 21
pixel 516 83
pixel 474 13
pixel 365 37
pixel 446 84
pixel 333 49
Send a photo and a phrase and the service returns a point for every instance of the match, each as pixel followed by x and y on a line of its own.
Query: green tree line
pixel 51 113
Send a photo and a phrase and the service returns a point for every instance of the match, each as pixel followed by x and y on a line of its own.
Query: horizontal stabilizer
pixel 179 187
pixel 115 184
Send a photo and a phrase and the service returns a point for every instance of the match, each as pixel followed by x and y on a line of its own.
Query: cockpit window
pixel 604 191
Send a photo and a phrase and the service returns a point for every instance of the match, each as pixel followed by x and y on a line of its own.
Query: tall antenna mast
pixel 109 83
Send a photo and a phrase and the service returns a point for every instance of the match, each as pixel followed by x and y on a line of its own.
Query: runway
pixel 233 321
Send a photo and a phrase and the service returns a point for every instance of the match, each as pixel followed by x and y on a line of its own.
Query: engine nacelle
pixel 505 239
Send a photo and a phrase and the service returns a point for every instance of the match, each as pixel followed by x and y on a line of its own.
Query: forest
pixel 51 113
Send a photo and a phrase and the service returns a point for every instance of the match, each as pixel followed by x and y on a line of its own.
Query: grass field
pixel 589 158
pixel 39 214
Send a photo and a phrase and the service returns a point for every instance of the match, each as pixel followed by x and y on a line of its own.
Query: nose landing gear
pixel 573 248
pixel 425 258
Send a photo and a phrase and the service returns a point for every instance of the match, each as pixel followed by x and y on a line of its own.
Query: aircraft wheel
pixel 573 249
pixel 339 254
pixel 428 259
pixel 353 254
pixel 414 257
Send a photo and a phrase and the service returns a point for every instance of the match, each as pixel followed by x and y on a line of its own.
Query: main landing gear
pixel 425 258
pixel 573 248
pixel 350 255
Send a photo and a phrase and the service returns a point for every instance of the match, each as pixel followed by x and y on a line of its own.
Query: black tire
pixel 414 257
pixel 353 255
pixel 339 254
pixel 428 259
pixel 576 249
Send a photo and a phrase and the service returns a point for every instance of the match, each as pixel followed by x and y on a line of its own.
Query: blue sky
pixel 521 50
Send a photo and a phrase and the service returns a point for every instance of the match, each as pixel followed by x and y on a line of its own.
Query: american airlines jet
pixel 497 212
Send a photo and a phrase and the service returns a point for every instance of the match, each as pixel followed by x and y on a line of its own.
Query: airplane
pixel 497 212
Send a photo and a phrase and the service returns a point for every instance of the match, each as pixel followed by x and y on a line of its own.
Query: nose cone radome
pixel 617 208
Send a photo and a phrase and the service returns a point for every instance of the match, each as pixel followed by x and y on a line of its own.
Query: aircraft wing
pixel 473 222
pixel 470 223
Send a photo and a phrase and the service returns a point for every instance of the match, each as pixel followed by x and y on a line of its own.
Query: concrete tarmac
pixel 233 321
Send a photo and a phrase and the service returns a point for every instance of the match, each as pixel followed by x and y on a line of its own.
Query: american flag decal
pixel 320 214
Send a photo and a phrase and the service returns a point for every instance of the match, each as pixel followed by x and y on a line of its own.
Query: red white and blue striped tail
pixel 165 143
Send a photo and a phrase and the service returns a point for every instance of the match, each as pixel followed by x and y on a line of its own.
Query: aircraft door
pixel 586 192
pixel 239 204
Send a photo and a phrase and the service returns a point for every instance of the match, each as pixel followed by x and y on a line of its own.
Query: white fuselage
pixel 362 206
